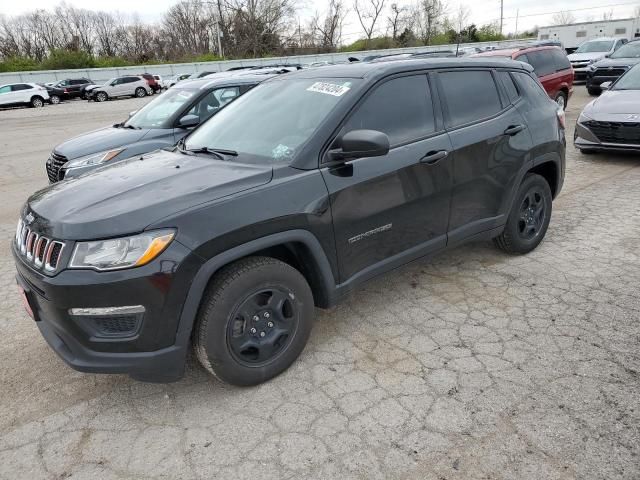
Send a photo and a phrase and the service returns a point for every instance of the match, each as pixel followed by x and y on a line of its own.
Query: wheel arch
pixel 549 170
pixel 298 248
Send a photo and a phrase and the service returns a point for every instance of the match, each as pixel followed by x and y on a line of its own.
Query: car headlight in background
pixel 94 159
pixel 123 252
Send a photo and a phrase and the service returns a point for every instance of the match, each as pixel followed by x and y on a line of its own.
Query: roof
pixel 590 23
pixel 372 69
pixel 221 81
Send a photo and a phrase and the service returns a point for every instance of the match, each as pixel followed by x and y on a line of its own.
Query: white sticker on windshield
pixel 329 89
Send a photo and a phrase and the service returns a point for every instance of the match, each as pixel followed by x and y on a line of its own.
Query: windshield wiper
pixel 217 152
pixel 122 125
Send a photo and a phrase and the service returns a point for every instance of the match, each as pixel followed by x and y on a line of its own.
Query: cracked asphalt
pixel 471 365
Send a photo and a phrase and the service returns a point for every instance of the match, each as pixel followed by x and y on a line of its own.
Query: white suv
pixel 128 86
pixel 14 94
pixel 590 52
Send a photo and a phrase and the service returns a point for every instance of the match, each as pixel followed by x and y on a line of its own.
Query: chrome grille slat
pixel 54 165
pixel 38 250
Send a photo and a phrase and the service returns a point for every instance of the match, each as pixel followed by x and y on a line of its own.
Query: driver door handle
pixel 434 157
pixel 513 130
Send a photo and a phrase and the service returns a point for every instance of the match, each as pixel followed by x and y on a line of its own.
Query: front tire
pixel 55 99
pixel 594 92
pixel 254 321
pixel 101 97
pixel 140 92
pixel 529 217
pixel 37 102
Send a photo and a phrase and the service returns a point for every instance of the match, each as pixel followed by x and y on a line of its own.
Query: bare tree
pixel 396 20
pixel 606 16
pixel 563 18
pixel 429 15
pixel 461 18
pixel 330 28
pixel 368 12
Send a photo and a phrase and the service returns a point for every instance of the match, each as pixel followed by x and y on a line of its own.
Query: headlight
pixel 124 252
pixel 584 118
pixel 95 159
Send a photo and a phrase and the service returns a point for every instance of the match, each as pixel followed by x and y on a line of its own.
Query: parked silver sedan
pixel 612 121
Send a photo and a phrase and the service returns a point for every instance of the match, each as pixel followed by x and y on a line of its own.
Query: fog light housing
pixel 109 322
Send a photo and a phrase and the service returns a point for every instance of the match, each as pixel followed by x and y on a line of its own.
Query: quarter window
pixel 531 89
pixel 509 86
pixel 469 96
pixel 5 89
pixel 402 108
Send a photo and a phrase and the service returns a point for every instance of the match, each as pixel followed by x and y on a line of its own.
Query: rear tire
pixel 561 99
pixel 254 321
pixel 140 92
pixel 529 217
pixel 37 102
pixel 101 97
pixel 594 92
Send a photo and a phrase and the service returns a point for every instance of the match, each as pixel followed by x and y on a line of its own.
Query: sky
pixel 530 12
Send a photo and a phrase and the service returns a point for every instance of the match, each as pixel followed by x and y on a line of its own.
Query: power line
pixel 574 10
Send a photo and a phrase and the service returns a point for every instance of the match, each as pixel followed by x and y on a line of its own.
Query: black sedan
pixel 612 121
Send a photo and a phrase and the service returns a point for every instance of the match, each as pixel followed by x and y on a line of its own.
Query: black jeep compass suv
pixel 303 188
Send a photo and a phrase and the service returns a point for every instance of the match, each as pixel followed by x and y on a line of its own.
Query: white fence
pixel 103 74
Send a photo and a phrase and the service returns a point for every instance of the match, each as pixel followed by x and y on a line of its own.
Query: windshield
pixel 599 46
pixel 159 112
pixel 273 121
pixel 629 81
pixel 630 50
pixel 110 81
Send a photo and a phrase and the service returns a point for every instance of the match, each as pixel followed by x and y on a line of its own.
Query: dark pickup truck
pixel 305 187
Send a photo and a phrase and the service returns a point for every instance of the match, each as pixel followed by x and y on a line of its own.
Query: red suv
pixel 151 81
pixel 550 64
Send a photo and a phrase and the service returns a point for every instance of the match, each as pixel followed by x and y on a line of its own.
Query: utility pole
pixel 219 40
pixel 501 15
pixel 517 15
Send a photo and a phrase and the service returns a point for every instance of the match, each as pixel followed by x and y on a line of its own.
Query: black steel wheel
pixel 529 217
pixel 254 320
pixel 263 326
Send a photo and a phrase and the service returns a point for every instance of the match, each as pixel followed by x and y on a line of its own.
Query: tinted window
pixel 542 62
pixel 561 60
pixel 130 79
pixel 5 89
pixel 214 101
pixel 531 89
pixel 401 108
pixel 21 86
pixel 523 58
pixel 469 96
pixel 509 86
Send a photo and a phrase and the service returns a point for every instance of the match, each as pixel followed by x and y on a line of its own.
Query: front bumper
pixel 585 139
pixel 580 74
pixel 151 352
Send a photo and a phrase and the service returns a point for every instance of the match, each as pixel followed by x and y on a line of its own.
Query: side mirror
pixel 189 121
pixel 359 144
pixel 605 85
pixel 132 113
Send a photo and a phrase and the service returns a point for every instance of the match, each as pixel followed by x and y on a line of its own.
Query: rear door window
pixel 542 62
pixel 469 96
pixel 21 86
pixel 402 108
pixel 531 88
pixel 561 60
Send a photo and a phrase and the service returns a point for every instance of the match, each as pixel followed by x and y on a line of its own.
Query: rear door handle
pixel 432 158
pixel 514 129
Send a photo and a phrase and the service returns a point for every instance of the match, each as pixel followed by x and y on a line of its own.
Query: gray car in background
pixel 612 121
pixel 159 124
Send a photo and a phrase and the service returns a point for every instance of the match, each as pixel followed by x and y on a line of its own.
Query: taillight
pixel 561 118
pixel 66 91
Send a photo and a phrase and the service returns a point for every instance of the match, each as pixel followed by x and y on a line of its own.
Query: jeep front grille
pixel 40 251
pixel 54 166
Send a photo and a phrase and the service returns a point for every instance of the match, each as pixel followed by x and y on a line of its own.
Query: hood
pixel 615 102
pixel 616 62
pixel 126 197
pixel 583 57
pixel 99 141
